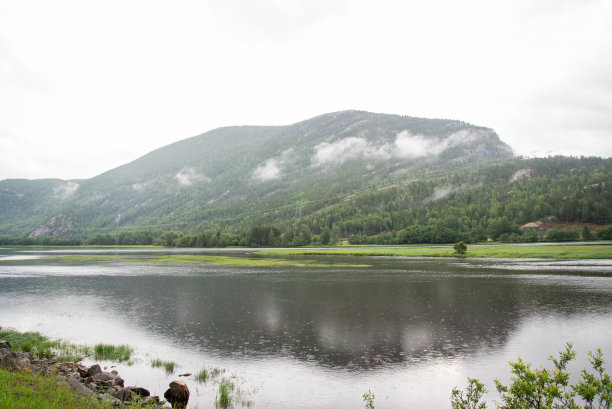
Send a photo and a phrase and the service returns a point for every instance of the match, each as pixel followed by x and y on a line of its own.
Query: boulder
pixel 118 380
pixel 102 377
pixel 5 345
pixel 16 361
pixel 151 399
pixel 82 370
pixel 122 394
pixel 177 395
pixel 93 370
pixel 137 390
pixel 79 387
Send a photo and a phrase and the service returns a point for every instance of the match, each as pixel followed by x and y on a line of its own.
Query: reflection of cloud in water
pixel 401 312
pixel 417 339
pixel 269 314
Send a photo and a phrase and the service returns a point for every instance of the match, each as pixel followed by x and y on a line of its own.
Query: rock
pixel 17 361
pixel 118 380
pixel 79 387
pixel 122 394
pixel 137 390
pixel 150 399
pixel 177 395
pixel 90 381
pixel 93 370
pixel 102 377
pixel 185 374
pixel 92 387
pixel 109 384
pixel 6 358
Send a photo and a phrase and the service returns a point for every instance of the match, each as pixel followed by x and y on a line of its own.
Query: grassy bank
pixel 24 390
pixel 257 261
pixel 42 347
pixel 597 251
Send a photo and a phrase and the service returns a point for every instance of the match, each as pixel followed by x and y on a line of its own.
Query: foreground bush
pixel 544 388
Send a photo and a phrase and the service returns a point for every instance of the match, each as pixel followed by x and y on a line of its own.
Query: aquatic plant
pixel 368 398
pixel 109 352
pixel 167 365
pixel 202 376
pixel 42 347
pixel 226 387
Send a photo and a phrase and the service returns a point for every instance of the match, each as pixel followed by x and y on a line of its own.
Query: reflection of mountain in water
pixel 349 319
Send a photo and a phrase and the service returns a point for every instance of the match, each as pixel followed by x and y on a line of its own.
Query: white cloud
pixel 340 151
pixel 66 190
pixel 536 72
pixel 188 176
pixel 268 171
pixel 406 145
pixel 272 168
pixel 440 193
pixel 415 146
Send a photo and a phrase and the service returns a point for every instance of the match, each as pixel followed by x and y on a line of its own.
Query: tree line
pixel 472 205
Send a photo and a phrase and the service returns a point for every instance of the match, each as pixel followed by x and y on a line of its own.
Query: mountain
pixel 237 177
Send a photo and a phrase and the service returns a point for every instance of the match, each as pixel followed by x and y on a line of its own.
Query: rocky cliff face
pixel 57 226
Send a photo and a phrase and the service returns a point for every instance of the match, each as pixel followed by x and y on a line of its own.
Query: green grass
pixel 226 387
pixel 43 347
pixel 202 376
pixel 109 352
pixel 597 251
pixel 202 259
pixel 25 390
pixel 208 374
pixel 167 365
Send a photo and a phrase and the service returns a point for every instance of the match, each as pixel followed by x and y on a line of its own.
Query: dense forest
pixel 231 179
pixel 354 176
pixel 520 200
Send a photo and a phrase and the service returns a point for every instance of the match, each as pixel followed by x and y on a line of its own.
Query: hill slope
pixel 236 177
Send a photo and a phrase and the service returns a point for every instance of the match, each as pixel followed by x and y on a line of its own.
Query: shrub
pixel 560 234
pixel 544 388
pixel 460 248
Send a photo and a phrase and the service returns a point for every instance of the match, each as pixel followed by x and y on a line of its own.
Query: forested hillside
pixel 373 178
pixel 231 179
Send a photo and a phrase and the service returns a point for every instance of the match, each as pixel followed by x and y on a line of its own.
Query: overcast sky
pixel 86 86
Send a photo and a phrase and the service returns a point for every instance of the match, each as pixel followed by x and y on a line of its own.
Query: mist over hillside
pixel 234 178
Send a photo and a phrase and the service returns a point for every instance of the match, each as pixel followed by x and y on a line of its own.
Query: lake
pixel 409 330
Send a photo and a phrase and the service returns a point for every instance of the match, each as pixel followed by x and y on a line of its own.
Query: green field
pixel 597 251
pixel 257 261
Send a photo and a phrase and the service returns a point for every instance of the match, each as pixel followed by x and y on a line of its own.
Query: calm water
pixel 406 329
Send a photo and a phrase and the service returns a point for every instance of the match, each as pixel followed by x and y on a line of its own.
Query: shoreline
pixel 88 384
pixel 553 251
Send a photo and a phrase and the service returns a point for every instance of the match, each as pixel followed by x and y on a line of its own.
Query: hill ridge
pixel 215 175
